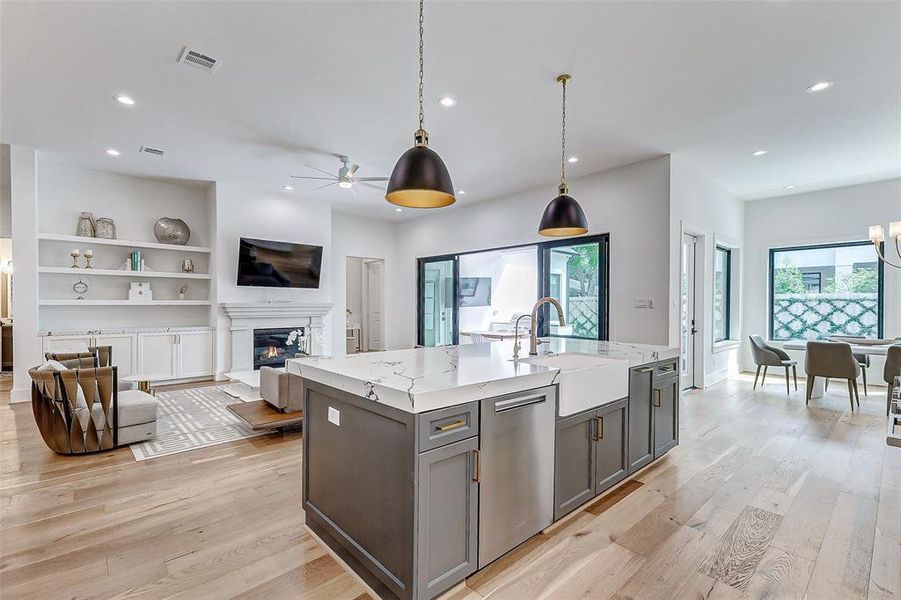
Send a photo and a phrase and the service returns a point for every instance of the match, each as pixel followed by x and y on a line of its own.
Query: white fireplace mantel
pixel 246 316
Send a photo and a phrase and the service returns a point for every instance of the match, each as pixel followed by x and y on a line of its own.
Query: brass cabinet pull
pixel 449 426
pixel 477 466
pixel 657 400
pixel 600 421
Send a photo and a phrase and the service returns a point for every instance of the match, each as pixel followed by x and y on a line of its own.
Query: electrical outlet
pixel 334 416
pixel 644 303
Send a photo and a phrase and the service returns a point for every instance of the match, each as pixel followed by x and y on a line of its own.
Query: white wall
pixel 246 212
pixel 835 215
pixel 5 202
pixel 704 209
pixel 631 203
pixel 354 236
pixel 354 288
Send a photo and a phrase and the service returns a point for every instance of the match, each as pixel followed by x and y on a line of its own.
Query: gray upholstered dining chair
pixel 771 356
pixel 832 359
pixel 892 370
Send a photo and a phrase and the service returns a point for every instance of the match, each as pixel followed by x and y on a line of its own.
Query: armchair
pixel 769 356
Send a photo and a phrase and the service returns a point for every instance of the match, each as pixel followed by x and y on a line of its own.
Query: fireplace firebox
pixel 272 347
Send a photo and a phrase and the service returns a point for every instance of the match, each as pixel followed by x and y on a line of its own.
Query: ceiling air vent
pixel 152 151
pixel 198 59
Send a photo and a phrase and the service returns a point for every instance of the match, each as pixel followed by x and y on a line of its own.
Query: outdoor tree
pixel 583 267
pixel 788 279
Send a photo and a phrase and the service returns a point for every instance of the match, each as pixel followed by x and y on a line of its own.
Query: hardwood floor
pixel 764 498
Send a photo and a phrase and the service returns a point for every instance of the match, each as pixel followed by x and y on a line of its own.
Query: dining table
pixel 859 347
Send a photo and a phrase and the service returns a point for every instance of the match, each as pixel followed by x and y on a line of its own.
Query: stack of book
pixel 135 261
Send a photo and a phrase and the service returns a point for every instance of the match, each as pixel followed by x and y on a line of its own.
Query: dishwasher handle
pixel 514 403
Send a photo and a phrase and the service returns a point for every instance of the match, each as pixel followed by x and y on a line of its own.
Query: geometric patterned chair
pixel 79 409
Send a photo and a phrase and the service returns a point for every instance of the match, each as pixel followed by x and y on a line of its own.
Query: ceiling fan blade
pixel 369 185
pixel 351 169
pixel 317 169
pixel 306 177
pixel 370 179
pixel 326 185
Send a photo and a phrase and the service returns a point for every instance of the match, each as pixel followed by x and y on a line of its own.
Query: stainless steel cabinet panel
pixel 611 439
pixel 641 424
pixel 447 516
pixel 574 458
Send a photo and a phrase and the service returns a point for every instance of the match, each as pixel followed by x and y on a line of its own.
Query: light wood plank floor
pixel 764 498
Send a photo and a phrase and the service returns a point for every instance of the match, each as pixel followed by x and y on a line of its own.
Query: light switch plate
pixel 644 303
pixel 334 416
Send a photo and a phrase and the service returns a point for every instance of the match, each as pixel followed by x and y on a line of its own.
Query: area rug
pixel 191 419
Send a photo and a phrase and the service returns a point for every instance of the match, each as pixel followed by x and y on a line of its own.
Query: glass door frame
pixel 543 278
pixel 420 295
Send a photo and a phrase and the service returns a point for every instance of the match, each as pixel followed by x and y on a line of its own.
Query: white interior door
pixel 375 294
pixel 687 310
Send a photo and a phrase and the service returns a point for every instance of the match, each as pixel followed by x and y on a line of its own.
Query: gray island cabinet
pixel 393 482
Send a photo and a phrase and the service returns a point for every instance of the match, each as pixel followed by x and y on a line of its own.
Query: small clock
pixel 80 287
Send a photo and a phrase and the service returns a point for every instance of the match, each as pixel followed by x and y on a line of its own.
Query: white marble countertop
pixel 423 379
pixel 118 330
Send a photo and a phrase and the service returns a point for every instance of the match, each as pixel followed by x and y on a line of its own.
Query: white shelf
pixel 121 273
pixel 73 302
pixel 89 241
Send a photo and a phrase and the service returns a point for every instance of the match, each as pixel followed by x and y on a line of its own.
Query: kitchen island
pixel 422 466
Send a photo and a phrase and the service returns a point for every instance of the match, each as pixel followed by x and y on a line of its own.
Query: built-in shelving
pixel 73 302
pixel 77 239
pixel 121 273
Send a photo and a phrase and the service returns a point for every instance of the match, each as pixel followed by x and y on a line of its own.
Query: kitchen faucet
pixel 533 330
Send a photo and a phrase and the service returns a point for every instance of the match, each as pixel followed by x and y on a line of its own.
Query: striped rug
pixel 193 418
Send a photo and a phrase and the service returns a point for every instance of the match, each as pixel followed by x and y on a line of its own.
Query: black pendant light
pixel 563 216
pixel 420 179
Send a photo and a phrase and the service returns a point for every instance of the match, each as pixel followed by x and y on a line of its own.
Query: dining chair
pixel 832 359
pixel 892 369
pixel 770 356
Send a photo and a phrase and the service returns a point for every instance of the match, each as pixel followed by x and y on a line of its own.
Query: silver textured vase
pixel 105 228
pixel 172 231
pixel 85 227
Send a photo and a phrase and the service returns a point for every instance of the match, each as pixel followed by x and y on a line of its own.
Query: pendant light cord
pixel 563 140
pixel 421 32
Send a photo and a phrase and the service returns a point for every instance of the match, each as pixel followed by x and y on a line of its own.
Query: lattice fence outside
pixel 583 316
pixel 813 316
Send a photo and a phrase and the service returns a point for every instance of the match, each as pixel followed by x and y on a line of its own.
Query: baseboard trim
pixel 19 395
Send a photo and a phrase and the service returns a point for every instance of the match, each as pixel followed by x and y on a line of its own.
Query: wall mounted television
pixel 267 263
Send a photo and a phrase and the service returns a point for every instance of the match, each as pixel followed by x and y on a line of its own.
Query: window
pixel 832 289
pixel 722 293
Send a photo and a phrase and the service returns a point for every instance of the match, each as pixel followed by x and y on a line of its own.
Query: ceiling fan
pixel 345 177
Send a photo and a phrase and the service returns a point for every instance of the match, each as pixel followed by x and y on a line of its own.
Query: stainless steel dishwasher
pixel 516 493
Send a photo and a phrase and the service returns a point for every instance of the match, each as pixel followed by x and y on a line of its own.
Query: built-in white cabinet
pixel 168 355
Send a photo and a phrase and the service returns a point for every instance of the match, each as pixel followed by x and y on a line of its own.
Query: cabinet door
pixel 641 423
pixel 574 462
pixel 666 416
pixel 64 344
pixel 447 516
pixel 611 435
pixel 124 352
pixel 157 354
pixel 195 354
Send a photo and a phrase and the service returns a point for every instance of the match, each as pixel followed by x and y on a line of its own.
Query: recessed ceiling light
pixel 124 100
pixel 461 192
pixel 112 152
pixel 287 188
pixel 398 210
pixel 759 152
pixel 572 159
pixel 790 187
pixel 447 101
pixel 819 86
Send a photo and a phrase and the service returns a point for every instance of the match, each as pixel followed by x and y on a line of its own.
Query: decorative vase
pixel 172 231
pixel 86 226
pixel 105 228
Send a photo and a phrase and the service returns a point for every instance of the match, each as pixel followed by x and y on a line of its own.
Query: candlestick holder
pixel 88 255
pixel 75 254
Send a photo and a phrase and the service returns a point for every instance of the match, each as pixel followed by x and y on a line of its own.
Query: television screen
pixel 475 291
pixel 266 263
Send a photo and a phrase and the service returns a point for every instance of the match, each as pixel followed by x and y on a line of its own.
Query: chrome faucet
pixel 533 332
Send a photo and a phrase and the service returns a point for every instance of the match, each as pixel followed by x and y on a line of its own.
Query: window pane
pixel 826 290
pixel 574 275
pixel 721 294
pixel 437 307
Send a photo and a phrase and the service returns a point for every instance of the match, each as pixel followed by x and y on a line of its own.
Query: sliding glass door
pixel 473 297
pixel 438 301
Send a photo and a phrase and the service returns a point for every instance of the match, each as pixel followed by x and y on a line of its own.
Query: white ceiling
pixel 299 81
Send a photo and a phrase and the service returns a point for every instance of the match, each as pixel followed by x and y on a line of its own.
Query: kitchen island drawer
pixel 447 425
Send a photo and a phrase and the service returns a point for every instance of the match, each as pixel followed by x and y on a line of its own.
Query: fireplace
pixel 271 347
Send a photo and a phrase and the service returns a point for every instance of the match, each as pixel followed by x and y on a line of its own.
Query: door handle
pixel 598 429
pixel 657 401
pixel 476 466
